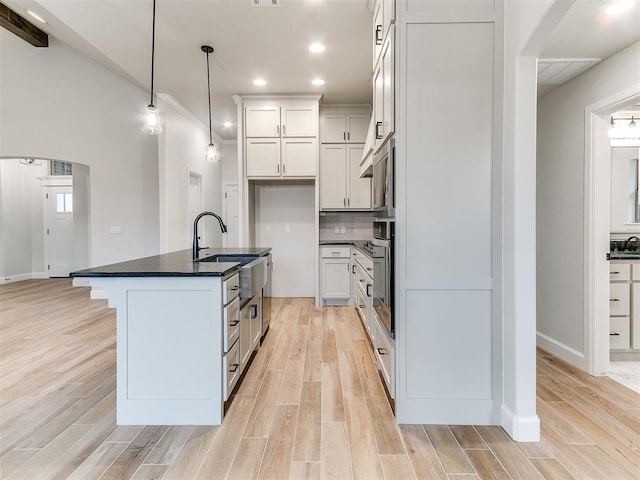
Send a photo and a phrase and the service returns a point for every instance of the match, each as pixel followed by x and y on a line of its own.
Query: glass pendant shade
pixel 212 153
pixel 152 124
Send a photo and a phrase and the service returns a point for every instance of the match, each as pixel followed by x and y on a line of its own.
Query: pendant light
pixel 152 124
pixel 211 148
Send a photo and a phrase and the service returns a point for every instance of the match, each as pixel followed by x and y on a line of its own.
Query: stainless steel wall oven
pixel 383 281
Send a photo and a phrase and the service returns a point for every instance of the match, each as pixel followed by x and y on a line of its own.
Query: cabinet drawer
pixel 231 369
pixel 621 272
pixel 364 261
pixel 619 299
pixel 231 318
pixel 619 333
pixel 230 289
pixel 385 354
pixel 361 306
pixel 335 252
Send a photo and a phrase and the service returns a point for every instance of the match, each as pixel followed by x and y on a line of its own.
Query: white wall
pixel 561 205
pixel 285 220
pixel 230 161
pixel 21 235
pixel 183 145
pixel 620 187
pixel 57 104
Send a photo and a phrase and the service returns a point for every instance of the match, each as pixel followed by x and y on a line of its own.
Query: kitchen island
pixel 174 360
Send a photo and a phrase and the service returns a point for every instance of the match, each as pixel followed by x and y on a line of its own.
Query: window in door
pixel 64 202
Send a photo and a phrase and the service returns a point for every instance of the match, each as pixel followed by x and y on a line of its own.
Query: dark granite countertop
pixel 175 264
pixel 625 256
pixel 359 244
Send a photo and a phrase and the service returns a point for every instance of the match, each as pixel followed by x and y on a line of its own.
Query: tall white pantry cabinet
pixel 448 59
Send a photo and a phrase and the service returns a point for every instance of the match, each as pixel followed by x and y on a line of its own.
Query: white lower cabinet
pixel 619 333
pixel 385 355
pixel 624 306
pixel 635 315
pixel 335 274
pixel 231 369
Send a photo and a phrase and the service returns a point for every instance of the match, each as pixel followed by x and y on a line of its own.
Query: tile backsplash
pixel 355 225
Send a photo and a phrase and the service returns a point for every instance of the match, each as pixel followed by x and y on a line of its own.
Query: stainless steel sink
pixel 242 259
pixel 252 271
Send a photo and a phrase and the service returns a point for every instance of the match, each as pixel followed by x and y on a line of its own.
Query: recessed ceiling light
pixel 36 16
pixel 317 81
pixel 316 47
pixel 617 7
pixel 227 124
pixel 259 82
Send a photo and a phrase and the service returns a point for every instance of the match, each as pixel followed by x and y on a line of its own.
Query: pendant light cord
pixel 209 94
pixel 153 48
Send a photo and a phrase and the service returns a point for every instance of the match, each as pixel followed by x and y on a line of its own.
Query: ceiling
pixel 267 42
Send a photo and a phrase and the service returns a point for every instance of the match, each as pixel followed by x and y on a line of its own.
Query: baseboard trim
pixel 22 277
pixel 520 428
pixel 565 352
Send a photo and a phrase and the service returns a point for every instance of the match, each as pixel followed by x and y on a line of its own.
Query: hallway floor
pixel 311 406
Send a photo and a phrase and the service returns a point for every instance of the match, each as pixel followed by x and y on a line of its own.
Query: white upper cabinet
pixel 340 184
pixel 384 93
pixel 383 17
pixel 281 120
pixel 344 127
pixel 281 137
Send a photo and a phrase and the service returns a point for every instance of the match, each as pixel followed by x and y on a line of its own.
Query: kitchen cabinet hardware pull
pixel 284 130
pixel 344 135
pixel 234 367
pixel 378 134
pixel 614 299
pixel 344 202
pixel 278 167
pixel 369 268
pixel 378 34
pixel 347 267
pixel 234 323
pixel 368 287
pixel 335 253
pixel 278 129
pixel 614 273
pixel 348 135
pixel 353 269
pixel 348 201
pixel 237 287
pixel 614 334
pixel 362 306
pixel 382 351
pixel 284 168
pixel 254 311
pixel 361 281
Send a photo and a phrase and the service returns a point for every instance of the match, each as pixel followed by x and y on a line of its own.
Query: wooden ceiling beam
pixel 22 27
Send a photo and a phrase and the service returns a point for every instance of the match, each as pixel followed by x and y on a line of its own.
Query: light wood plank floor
pixel 311 406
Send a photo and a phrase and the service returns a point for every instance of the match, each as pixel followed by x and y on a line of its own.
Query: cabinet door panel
pixel 357 126
pixel 263 158
pixel 299 122
pixel 333 128
pixel 635 316
pixel 388 114
pixel 262 121
pixel 336 278
pixel 359 188
pixel 333 178
pixel 299 157
pixel 378 107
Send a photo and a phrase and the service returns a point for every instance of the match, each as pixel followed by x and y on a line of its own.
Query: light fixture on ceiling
pixel 316 47
pixel 36 16
pixel 259 82
pixel 621 131
pixel 317 82
pixel 152 124
pixel 227 124
pixel 31 162
pixel 616 7
pixel 211 148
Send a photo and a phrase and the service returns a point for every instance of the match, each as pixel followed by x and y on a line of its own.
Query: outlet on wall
pixel 342 229
pixel 337 229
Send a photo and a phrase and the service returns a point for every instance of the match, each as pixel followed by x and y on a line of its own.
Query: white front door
pixel 231 239
pixel 58 230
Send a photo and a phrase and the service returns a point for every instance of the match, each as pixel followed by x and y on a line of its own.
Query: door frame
pixel 597 225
